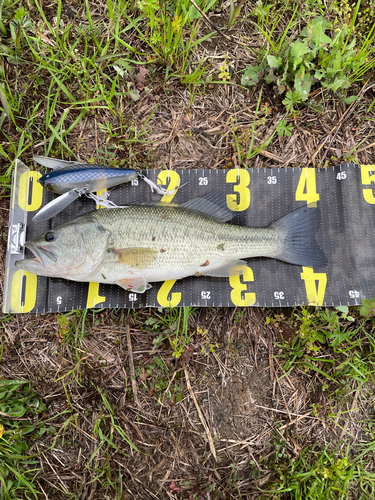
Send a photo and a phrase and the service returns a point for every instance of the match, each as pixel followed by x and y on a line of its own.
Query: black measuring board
pixel 345 195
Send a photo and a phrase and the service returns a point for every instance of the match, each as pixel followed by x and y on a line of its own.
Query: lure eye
pixel 50 236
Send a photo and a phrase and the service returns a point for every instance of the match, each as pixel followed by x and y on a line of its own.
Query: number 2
pixel 174 182
pixel 164 297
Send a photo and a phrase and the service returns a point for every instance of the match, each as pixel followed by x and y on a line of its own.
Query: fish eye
pixel 50 236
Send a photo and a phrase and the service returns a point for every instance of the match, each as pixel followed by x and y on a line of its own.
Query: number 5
pixel 367 179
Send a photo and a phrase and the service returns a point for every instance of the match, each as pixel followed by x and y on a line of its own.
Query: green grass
pixel 56 75
pixel 323 55
pixel 21 422
pixel 323 474
pixel 82 71
pixel 351 343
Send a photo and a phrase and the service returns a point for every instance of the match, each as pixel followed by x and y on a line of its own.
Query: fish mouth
pixel 41 255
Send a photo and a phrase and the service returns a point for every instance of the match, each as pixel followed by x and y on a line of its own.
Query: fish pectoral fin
pixel 236 268
pixel 136 285
pixel 136 257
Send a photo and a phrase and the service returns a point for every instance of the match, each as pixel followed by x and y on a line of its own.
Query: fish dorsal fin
pixel 212 204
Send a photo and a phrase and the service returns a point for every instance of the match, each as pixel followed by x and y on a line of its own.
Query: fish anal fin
pixel 138 258
pixel 235 268
pixel 135 285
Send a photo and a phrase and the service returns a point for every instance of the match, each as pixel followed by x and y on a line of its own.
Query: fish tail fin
pixel 298 235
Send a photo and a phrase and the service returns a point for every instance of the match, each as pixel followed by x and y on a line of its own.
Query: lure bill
pixel 134 246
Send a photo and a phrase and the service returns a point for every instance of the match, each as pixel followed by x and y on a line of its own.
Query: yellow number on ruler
pixel 306 189
pixel 242 177
pixel 368 179
pixel 99 193
pixel 93 297
pixel 29 291
pixel 163 293
pixel 314 293
pixel 36 193
pixel 238 287
pixel 174 182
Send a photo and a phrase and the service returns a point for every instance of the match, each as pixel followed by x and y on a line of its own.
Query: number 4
pixel 306 189
pixel 314 293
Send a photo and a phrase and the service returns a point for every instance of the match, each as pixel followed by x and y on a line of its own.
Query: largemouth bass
pixel 135 246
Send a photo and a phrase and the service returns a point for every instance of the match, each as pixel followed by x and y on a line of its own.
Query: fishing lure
pixel 72 179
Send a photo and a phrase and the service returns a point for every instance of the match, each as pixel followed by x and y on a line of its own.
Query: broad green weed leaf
pixel 270 76
pixel 133 92
pixel 4 100
pixel 337 62
pixel 302 84
pixel 350 99
pixel 251 76
pixel 194 12
pixel 151 321
pixel 343 309
pixel 297 51
pixel 339 83
pixel 317 35
pixel 20 14
pixel 124 63
pixel 274 62
pixel 368 308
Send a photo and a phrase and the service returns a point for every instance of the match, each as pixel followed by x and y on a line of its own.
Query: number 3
pixel 239 294
pixel 242 177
